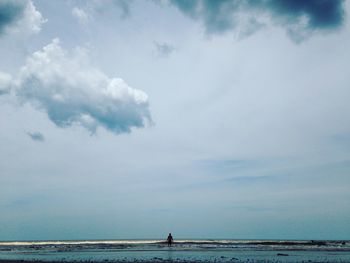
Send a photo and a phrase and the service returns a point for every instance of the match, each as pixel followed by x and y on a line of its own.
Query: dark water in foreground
pixel 182 250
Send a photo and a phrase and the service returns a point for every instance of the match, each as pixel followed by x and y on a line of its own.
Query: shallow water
pixel 182 250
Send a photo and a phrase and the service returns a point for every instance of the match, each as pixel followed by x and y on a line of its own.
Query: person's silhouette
pixel 169 240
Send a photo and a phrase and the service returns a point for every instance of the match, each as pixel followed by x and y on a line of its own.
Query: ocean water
pixel 181 251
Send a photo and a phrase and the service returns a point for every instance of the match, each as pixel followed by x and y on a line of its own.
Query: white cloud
pixel 5 82
pixel 20 17
pixel 92 8
pixel 81 15
pixel 72 92
pixel 32 19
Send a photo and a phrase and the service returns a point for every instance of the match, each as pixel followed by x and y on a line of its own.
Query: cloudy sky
pixel 208 119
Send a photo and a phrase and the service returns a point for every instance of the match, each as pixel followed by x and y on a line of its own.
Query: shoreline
pixel 109 261
pixel 183 251
pixel 159 260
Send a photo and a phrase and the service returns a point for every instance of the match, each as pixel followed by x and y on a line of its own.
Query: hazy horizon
pixel 161 239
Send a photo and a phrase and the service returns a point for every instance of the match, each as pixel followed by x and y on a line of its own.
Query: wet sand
pixel 183 251
pixel 158 260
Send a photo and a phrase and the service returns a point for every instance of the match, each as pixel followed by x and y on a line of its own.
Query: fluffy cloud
pixel 19 16
pixel 72 92
pixel 300 18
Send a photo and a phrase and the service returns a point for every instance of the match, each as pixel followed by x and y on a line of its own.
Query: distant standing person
pixel 170 240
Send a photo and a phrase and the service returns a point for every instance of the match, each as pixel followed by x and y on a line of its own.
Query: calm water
pixel 182 250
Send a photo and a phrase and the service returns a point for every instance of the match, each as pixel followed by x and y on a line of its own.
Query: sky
pixel 208 119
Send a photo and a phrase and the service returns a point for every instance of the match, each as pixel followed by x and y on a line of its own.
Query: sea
pixel 191 250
